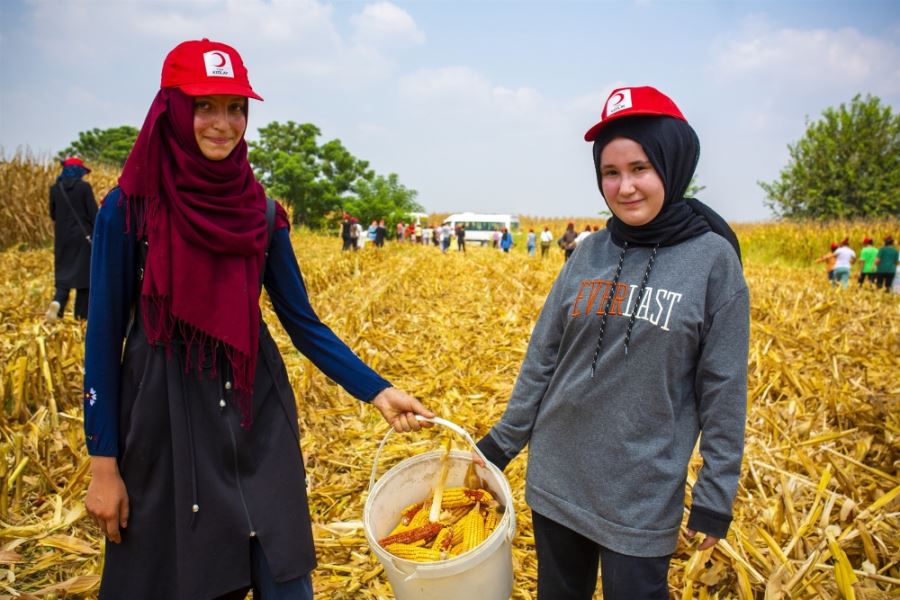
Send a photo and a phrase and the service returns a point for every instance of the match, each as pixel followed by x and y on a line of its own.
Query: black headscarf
pixel 673 149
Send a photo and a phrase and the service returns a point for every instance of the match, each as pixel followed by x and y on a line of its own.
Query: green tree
pixel 846 165
pixel 110 146
pixel 314 180
pixel 382 198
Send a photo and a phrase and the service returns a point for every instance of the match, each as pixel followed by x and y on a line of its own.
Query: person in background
pixel 829 260
pixel 418 231
pixel 506 240
pixel 346 225
pixel 372 231
pixel 567 241
pixel 546 239
pixel 356 234
pixel 380 234
pixel 867 256
pixel 436 236
pixel 197 476
pixel 530 242
pixel 581 236
pixel 495 238
pixel 446 233
pixel 400 229
pixel 640 348
pixel 73 210
pixel 427 234
pixel 844 259
pixel 886 265
pixel 461 237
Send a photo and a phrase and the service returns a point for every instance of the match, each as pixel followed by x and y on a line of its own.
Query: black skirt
pixel 199 486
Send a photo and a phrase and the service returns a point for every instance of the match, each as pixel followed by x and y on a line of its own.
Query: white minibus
pixel 480 227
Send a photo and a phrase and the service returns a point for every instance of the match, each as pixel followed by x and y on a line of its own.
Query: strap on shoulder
pixel 270 222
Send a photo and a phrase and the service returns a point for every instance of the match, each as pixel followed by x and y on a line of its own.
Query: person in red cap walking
pixel 197 478
pixel 73 210
pixel 867 256
pixel 845 257
pixel 640 348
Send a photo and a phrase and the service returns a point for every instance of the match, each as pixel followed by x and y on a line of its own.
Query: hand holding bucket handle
pixel 437 421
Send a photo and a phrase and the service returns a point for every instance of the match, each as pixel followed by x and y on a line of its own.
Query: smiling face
pixel 219 124
pixel 631 186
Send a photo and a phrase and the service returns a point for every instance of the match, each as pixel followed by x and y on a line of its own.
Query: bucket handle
pixel 437 421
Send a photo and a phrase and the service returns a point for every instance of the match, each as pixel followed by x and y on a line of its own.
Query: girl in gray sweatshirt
pixel 640 348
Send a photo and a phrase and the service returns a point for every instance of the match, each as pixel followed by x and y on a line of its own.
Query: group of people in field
pixel 190 419
pixel 878 266
pixel 354 237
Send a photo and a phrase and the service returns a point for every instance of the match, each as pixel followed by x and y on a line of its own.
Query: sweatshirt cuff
pixel 492 452
pixel 708 521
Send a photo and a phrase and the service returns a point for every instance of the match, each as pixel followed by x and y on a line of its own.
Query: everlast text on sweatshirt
pixel 608 455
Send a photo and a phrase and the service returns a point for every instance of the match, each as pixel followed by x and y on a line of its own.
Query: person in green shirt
pixel 886 265
pixel 867 257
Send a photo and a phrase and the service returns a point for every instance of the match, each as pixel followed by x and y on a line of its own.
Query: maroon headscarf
pixel 206 230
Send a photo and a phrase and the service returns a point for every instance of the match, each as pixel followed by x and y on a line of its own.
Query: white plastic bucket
pixel 484 573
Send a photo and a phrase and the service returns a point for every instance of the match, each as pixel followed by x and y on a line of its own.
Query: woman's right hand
pixel 107 498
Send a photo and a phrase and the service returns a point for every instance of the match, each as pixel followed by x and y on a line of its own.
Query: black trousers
pixel 864 276
pixel 81 301
pixel 884 279
pixel 567 567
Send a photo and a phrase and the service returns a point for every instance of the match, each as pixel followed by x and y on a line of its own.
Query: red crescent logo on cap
pixel 221 57
pixel 618 97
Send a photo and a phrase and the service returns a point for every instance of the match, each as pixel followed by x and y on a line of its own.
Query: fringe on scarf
pixel 160 324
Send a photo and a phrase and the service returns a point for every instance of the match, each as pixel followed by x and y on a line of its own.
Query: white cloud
pixel 824 58
pixel 386 24
pixel 467 90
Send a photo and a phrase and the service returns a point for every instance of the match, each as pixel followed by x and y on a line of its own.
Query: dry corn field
pixel 817 513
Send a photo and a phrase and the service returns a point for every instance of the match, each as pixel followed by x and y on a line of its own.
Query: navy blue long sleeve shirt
pixel 113 294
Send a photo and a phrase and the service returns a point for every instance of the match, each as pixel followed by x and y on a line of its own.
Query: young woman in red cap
pixel 197 477
pixel 640 348
pixel 73 210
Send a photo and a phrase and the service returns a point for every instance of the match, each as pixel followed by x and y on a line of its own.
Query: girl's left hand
pixel 399 409
pixel 707 543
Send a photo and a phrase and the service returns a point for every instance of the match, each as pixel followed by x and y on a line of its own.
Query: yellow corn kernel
pixel 425 532
pixel 491 519
pixel 456 550
pixel 457 531
pixel 451 516
pixel 473 529
pixel 461 496
pixel 409 512
pixel 400 527
pixel 410 552
pixel 420 518
pixel 443 540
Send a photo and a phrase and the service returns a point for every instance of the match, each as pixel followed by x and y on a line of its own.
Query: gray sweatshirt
pixel 608 455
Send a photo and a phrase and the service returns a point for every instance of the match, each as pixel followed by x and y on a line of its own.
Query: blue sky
pixel 477 105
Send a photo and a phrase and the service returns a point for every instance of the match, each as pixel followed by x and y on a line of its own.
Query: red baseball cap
pixel 632 101
pixel 74 160
pixel 203 67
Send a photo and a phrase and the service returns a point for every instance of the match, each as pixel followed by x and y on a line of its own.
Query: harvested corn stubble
pixel 823 394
